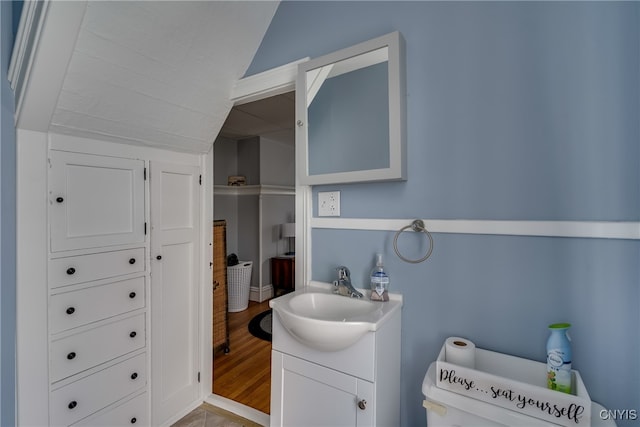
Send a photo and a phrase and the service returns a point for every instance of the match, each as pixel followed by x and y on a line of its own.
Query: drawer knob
pixel 132 334
pixel 71 310
pixel 132 295
pixel 59 199
pixel 362 404
pixel 71 355
pixel 133 420
pixel 72 404
pixel 159 257
pixel 71 271
pixel 134 375
pixel 132 261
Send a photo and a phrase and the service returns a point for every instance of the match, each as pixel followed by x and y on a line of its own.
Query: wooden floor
pixel 244 374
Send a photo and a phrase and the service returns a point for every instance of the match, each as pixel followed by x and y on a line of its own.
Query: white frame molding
pixel 45 41
pixel 273 82
pixel 394 43
pixel 580 229
pixel 263 85
pixel 266 84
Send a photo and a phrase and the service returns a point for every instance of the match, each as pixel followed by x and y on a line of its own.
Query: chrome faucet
pixel 343 285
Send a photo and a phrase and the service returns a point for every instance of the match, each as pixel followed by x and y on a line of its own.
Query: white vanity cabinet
pixel 98 278
pixel 357 386
pixel 313 395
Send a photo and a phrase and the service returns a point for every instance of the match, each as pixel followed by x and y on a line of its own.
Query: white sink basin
pixel 337 308
pixel 328 322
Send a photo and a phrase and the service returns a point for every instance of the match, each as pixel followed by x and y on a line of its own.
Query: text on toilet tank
pixel 517 398
pixel 451 377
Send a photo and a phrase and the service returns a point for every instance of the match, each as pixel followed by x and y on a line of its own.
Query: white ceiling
pixel 160 73
pixel 272 118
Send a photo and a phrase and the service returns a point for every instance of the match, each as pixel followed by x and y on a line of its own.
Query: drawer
pixel 92 347
pixel 82 398
pixel 72 309
pixel 133 412
pixel 85 268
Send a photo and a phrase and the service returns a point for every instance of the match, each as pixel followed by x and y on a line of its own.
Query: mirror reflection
pixel 348 110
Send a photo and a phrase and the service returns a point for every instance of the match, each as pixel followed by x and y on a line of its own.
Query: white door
pixel 175 266
pixel 95 201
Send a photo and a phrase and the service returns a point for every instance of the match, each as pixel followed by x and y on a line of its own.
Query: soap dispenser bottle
pixel 379 281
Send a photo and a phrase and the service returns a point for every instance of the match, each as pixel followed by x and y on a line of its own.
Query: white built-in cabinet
pixel 98 291
pixel 109 305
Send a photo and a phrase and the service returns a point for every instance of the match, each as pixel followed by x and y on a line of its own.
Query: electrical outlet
pixel 329 203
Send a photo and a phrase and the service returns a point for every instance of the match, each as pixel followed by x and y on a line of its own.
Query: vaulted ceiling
pixel 152 73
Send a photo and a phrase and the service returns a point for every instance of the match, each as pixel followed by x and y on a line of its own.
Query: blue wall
pixel 7 220
pixel 515 111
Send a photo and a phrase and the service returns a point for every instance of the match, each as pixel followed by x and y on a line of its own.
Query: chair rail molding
pixel 579 229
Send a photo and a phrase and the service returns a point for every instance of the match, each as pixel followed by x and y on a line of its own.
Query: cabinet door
pixel 175 271
pixel 95 201
pixel 307 394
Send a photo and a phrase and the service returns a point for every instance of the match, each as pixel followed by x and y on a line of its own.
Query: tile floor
pixel 207 415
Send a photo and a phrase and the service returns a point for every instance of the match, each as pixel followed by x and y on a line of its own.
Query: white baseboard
pixel 267 293
pixel 238 409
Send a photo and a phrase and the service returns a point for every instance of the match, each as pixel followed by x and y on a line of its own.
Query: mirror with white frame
pixel 350 107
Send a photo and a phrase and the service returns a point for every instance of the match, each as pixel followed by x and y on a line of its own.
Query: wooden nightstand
pixel 283 273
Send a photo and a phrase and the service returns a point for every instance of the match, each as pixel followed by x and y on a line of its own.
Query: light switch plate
pixel 329 203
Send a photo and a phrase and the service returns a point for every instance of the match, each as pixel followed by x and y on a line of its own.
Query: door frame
pixel 277 81
pixel 269 83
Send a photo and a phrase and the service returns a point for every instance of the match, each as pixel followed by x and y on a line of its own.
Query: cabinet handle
pixel 71 271
pixel 362 404
pixel 159 257
pixel 59 199
pixel 132 295
pixel 71 355
pixel 134 375
pixel 133 420
pixel 71 310
pixel 72 404
pixel 132 261
pixel 132 334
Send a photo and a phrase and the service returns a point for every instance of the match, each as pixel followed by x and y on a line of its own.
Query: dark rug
pixel 260 325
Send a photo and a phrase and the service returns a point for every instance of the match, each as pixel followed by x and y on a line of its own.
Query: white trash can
pixel 239 283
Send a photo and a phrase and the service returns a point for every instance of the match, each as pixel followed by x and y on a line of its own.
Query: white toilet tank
pixel 448 409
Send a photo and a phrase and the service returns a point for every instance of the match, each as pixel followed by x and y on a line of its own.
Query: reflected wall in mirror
pixel 350 108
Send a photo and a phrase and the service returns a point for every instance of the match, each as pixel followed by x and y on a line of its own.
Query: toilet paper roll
pixel 460 351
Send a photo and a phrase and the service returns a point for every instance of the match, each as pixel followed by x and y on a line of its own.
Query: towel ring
pixel 417 226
